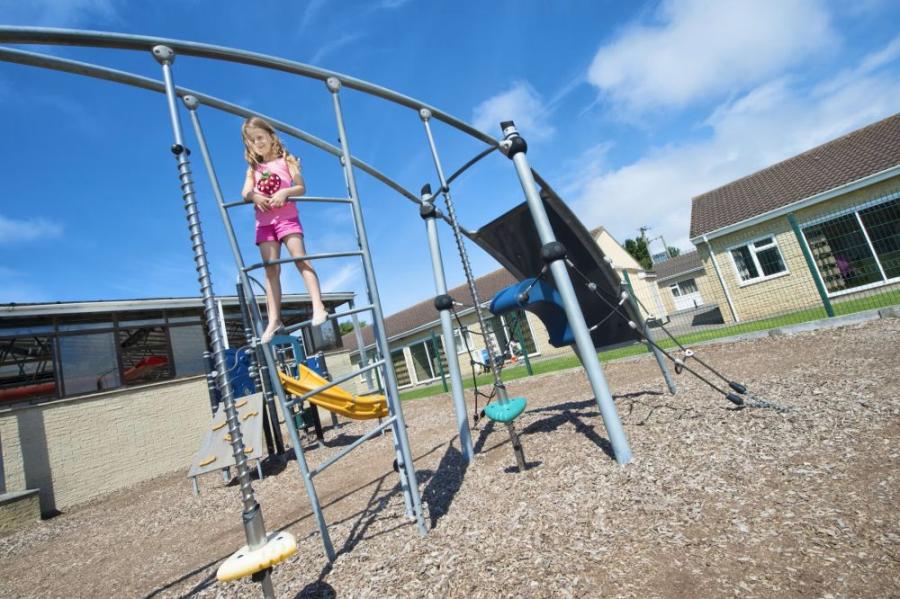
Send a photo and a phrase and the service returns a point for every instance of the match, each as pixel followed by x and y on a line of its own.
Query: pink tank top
pixel 269 178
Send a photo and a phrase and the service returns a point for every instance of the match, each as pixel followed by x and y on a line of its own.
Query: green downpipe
pixel 811 265
pixel 437 356
pixel 520 337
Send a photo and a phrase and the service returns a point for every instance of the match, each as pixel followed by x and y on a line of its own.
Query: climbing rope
pixel 473 291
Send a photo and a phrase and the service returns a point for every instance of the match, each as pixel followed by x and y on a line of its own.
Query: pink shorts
pixel 278 229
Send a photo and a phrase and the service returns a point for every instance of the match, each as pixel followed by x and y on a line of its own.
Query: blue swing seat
pixel 544 302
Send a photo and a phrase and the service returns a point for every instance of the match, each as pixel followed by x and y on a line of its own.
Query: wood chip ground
pixel 716 503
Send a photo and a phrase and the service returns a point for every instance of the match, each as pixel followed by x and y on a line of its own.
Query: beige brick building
pixel 683 283
pixel 99 396
pixel 643 282
pixel 820 228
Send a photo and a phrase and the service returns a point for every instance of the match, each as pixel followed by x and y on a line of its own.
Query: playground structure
pixel 545 266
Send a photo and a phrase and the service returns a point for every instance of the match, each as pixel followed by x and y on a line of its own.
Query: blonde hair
pixel 254 159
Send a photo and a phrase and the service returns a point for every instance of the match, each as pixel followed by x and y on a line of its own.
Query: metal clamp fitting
pixel 553 251
pixel 513 143
pixel 443 302
pixel 163 54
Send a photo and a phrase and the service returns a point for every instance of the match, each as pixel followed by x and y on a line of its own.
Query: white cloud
pixel 340 279
pixel 28 229
pixel 392 4
pixel 332 47
pixel 772 122
pixel 701 49
pixel 57 13
pixel 520 103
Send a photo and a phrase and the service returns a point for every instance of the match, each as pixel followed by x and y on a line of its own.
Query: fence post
pixel 520 337
pixel 437 356
pixel 810 264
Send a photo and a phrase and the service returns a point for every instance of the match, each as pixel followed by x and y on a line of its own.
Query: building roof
pixel 171 303
pixel 424 312
pixel 849 158
pixel 678 265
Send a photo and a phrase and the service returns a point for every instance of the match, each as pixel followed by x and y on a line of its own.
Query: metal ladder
pixel 404 462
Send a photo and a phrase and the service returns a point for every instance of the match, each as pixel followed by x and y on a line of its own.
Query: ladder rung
pixel 325 200
pixel 375 431
pixel 300 325
pixel 321 200
pixel 306 257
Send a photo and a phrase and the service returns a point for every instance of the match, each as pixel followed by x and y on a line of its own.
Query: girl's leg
pixel 271 251
pixel 297 249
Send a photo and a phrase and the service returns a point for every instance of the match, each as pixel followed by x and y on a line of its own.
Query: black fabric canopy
pixel 513 241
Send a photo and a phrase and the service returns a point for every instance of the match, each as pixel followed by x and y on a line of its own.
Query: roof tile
pixel 853 156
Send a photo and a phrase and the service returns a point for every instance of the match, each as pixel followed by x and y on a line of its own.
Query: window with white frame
pixel 427 359
pixel 684 287
pixel 857 248
pixel 512 325
pixel 461 343
pixel 400 368
pixel 758 260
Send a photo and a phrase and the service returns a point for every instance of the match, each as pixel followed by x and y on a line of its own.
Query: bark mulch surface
pixel 717 502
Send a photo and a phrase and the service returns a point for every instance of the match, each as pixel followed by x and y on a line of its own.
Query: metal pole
pixel 221 311
pixel 553 253
pixel 811 265
pixel 393 395
pixel 651 347
pixel 502 395
pixel 254 527
pixel 440 286
pixel 256 371
pixel 268 356
pixel 712 257
pixel 520 337
pixel 363 354
pixel 440 363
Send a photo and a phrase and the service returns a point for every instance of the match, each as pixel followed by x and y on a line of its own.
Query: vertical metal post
pixel 651 347
pixel 811 265
pixel 256 371
pixel 515 148
pixel 443 304
pixel 407 497
pixel 254 527
pixel 221 311
pixel 363 354
pixel 268 356
pixel 436 348
pixel 502 395
pixel 393 395
pixel 728 300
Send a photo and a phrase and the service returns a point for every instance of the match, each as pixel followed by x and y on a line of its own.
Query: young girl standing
pixel 272 177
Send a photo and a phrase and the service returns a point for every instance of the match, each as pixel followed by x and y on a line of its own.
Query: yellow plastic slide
pixel 335 399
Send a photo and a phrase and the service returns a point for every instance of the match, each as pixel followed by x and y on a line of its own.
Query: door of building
pixel 686 294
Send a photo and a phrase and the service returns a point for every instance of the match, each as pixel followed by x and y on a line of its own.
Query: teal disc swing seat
pixel 505 412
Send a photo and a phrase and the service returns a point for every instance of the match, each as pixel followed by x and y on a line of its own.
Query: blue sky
pixel 630 109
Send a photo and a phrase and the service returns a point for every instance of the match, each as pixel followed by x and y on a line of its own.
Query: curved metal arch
pixel 104 39
pixel 89 70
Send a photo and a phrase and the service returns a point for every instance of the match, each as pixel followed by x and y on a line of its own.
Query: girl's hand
pixel 278 199
pixel 262 203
